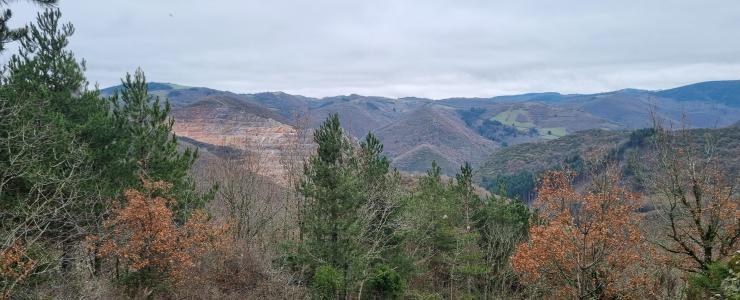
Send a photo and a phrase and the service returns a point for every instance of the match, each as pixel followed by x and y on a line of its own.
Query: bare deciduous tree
pixel 697 199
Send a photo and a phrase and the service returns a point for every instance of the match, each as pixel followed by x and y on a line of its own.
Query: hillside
pixel 418 130
pixel 536 157
pixel 432 132
pixel 629 148
pixel 724 92
pixel 631 109
pixel 530 121
pixel 227 121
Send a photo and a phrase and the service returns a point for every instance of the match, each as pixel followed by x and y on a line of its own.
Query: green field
pixel 509 117
pixel 552 133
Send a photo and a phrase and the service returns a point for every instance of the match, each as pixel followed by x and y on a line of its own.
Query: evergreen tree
pixel 384 265
pixel 46 182
pixel 433 216
pixel 332 201
pixel 468 260
pixel 501 224
pixel 148 148
pixel 6 33
pixel 350 219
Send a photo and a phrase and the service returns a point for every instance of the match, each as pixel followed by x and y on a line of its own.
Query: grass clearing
pixel 510 117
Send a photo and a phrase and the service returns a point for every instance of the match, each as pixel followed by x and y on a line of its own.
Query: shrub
pixel 385 283
pixel 328 282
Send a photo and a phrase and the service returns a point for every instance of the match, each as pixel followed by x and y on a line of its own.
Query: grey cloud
pixel 429 48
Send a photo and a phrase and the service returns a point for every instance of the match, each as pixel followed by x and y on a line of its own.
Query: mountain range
pixel 416 131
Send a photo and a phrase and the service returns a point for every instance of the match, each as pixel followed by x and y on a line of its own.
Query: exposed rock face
pixel 222 122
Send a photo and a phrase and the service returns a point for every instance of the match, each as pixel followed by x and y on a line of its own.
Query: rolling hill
pixel 433 133
pixel 723 92
pixel 629 148
pixel 416 131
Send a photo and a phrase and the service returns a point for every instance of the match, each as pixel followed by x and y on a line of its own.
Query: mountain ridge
pixel 453 130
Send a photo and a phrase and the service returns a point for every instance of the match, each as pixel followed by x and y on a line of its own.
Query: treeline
pixel 98 200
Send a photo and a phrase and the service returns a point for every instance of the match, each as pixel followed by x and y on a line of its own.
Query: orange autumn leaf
pixel 589 244
pixel 144 235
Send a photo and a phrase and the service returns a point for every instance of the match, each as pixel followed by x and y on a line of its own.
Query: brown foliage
pixel 589 245
pixel 144 236
pixel 15 267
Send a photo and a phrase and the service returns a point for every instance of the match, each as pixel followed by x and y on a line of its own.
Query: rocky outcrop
pixel 223 122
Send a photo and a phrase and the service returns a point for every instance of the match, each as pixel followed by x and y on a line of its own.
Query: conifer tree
pixel 47 183
pixel 7 34
pixel 501 224
pixel 383 264
pixel 433 216
pixel 467 260
pixel 332 201
pixel 149 148
pixel 349 222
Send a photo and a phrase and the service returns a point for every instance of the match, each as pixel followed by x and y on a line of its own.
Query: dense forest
pixel 99 199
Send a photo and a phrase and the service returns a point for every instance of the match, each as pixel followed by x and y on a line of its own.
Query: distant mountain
pixel 178 95
pixel 725 92
pixel 476 102
pixel 285 104
pixel 631 109
pixel 151 86
pixel 416 131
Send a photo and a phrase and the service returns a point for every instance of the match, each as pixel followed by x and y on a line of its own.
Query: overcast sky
pixel 397 48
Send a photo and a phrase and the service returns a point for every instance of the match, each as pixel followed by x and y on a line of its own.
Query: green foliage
pixel 65 152
pixel 328 282
pixel 48 198
pixel 349 218
pixel 47 112
pixel 520 185
pixel 9 35
pixel 462 242
pixel 331 190
pixel 720 280
pixel 146 146
pixel 501 224
pixel 385 283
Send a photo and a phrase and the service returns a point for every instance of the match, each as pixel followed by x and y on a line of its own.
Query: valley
pixel 416 131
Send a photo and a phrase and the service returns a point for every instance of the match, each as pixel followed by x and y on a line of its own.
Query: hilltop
pixel 416 131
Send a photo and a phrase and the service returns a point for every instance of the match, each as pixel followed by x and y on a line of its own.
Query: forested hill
pixel 450 131
pixel 519 167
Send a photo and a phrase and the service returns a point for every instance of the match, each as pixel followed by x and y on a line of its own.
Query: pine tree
pixel 333 199
pixel 433 216
pixel 8 35
pixel 349 223
pixel 46 180
pixel 467 259
pixel 501 224
pixel 383 264
pixel 149 146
